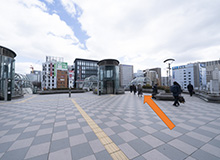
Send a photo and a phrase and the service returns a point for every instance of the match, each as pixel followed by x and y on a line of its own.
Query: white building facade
pixel 183 75
pixel 49 71
pixel 126 74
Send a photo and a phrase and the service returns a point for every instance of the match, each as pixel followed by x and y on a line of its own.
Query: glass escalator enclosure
pixel 7 70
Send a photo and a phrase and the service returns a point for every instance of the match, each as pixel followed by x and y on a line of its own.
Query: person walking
pixel 154 91
pixel 139 90
pixel 190 89
pixel 134 89
pixel 131 88
pixel 176 90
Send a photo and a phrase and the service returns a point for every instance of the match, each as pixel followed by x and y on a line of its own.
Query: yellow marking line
pixel 25 100
pixel 109 145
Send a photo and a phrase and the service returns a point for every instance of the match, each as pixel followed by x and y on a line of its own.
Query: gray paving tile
pixel 103 155
pixel 37 150
pixel 118 129
pixel 17 154
pixel 59 129
pixel 202 155
pixel 16 130
pixel 148 129
pixel 214 142
pixel 138 132
pixel 117 139
pixel 80 151
pixel 103 125
pixel 109 131
pixel 41 157
pixel 74 132
pixel 139 158
pixel 205 133
pixel 140 146
pixel 182 146
pixel 152 141
pixel 44 131
pixel 90 136
pixel 128 150
pixel 162 136
pixel 9 138
pixel 194 142
pixel 127 136
pixel 59 135
pixel 61 154
pixel 211 149
pixel 42 139
pixel 155 155
pixel 137 124
pixel 5 146
pixel 45 126
pixel 78 139
pixel 96 146
pixel 21 144
pixel 171 152
pixel 199 136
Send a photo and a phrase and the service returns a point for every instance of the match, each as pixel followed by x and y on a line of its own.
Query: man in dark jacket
pixel 176 90
pixel 190 89
pixel 134 89
pixel 154 91
pixel 131 88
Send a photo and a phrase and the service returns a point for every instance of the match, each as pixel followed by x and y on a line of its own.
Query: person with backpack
pixel 176 90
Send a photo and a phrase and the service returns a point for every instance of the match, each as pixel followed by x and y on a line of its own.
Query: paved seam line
pixel 25 100
pixel 114 151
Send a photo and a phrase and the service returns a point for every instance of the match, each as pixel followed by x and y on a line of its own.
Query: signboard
pixel 62 66
pixel 178 67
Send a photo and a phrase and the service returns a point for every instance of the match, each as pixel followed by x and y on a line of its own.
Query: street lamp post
pixel 170 60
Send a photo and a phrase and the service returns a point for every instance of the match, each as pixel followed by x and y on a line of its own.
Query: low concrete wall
pixel 60 91
pixel 208 97
pixel 165 96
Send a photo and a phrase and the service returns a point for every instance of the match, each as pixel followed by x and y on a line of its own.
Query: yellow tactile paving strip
pixel 114 151
pixel 25 100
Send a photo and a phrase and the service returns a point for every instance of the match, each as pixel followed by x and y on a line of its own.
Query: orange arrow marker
pixel 159 112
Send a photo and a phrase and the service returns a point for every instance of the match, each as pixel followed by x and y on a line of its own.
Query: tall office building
pixel 49 72
pixel 210 67
pixel 154 74
pixel 84 68
pixel 200 74
pixel 158 71
pixel 125 74
pixel 183 75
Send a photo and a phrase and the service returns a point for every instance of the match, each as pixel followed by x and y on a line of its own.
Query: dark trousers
pixel 176 98
pixel 191 93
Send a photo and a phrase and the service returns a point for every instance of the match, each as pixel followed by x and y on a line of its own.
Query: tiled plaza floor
pixel 50 127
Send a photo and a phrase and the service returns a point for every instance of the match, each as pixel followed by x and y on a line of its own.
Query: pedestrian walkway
pixel 88 127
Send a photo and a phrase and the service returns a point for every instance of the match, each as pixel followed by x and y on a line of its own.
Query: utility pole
pixel 170 60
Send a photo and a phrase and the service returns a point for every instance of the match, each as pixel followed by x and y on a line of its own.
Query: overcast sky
pixel 142 33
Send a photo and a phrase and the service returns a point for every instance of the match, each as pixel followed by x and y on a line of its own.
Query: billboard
pixel 60 66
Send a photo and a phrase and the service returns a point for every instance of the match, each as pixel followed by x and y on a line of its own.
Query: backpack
pixel 174 89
